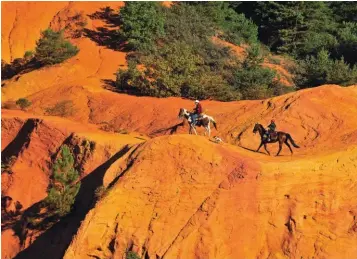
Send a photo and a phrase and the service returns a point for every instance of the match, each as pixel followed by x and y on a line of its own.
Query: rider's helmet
pixel 272 121
pixel 197 101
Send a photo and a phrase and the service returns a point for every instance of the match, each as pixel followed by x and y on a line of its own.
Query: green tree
pixel 344 11
pixel 141 24
pixel 297 28
pixel 184 63
pixel 253 80
pixel 64 184
pixel 187 63
pixel 231 26
pixel 315 71
pixel 347 37
pixel 52 48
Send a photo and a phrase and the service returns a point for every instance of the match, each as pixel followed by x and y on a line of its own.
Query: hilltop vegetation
pixel 179 57
pixel 321 36
pixel 182 50
pixel 174 54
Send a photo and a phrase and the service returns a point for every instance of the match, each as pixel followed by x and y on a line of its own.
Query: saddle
pixel 199 120
pixel 271 135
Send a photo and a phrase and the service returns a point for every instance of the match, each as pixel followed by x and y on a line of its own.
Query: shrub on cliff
pixel 64 184
pixel 63 109
pixel 52 48
pixel 23 103
pixel 131 255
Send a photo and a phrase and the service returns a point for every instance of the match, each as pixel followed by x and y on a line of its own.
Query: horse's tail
pixel 213 122
pixel 292 141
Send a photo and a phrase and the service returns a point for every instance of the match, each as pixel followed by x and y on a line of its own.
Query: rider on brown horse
pixel 271 129
pixel 280 137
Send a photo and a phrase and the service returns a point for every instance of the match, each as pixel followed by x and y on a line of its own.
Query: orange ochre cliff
pixel 169 194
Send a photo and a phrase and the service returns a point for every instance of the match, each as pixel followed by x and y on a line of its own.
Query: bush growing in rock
pixel 64 184
pixel 52 48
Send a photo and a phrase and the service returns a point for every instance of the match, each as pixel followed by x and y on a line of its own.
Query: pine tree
pixel 141 24
pixel 297 28
pixel 63 186
pixel 344 11
pixel 253 80
pixel 319 70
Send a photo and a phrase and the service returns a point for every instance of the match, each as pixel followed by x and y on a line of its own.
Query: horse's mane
pixel 261 126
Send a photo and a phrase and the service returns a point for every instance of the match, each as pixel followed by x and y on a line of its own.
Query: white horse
pixel 204 121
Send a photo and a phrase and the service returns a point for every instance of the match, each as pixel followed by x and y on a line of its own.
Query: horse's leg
pixel 194 129
pixel 280 146
pixel 265 147
pixel 190 130
pixel 261 144
pixel 286 143
pixel 209 130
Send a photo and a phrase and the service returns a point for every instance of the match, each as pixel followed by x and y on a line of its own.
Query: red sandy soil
pixel 171 196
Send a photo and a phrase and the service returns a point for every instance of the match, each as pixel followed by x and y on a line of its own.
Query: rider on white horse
pixel 197 112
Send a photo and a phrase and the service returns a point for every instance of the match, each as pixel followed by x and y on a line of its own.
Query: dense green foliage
pixel 229 25
pixel 52 48
pixel 309 31
pixel 64 184
pixel 141 24
pixel 297 28
pixel 322 69
pixel 252 80
pixel 185 62
pixel 174 51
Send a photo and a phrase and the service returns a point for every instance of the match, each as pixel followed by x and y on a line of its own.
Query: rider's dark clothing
pixel 271 129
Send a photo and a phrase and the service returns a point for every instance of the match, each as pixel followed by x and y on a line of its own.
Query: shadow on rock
pixel 54 241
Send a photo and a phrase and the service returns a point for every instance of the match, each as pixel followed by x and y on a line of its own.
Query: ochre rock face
pixel 31 145
pixel 95 64
pixel 185 197
pixel 173 196
pixel 10 244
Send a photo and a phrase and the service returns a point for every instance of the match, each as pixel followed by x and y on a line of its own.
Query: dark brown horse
pixel 280 137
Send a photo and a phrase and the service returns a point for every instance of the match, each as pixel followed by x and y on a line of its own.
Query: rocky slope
pixel 311 115
pixel 29 147
pixel 211 201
